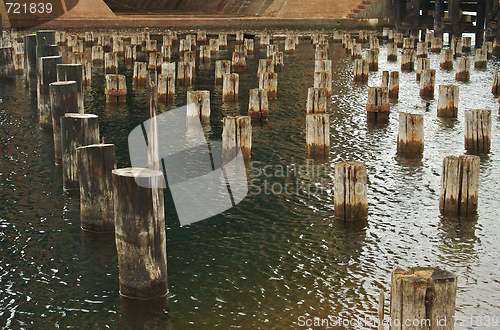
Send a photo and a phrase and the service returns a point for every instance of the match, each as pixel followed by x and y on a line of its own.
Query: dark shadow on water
pixel 377 121
pixel 409 159
pixel 447 122
pixel 151 314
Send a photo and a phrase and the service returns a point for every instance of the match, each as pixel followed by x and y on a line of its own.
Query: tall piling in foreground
pixel 47 74
pixel 378 101
pixel 95 165
pixel 411 292
pixel 63 99
pixel 198 105
pixel 477 130
pixel 221 68
pixel 258 104
pixel 350 191
pixel 411 133
pixel 459 184
pixel 463 69
pixel 318 133
pixel 230 87
pixel 76 130
pixel 116 88
pixel 73 72
pixel 237 131
pixel 140 232
pixel 317 100
pixel 448 101
pixel 394 85
pixel 427 81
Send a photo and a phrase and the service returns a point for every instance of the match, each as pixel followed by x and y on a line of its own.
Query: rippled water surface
pixel 274 257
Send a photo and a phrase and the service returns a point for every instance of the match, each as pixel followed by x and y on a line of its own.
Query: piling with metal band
pixel 459 184
pixel 411 133
pixel 350 191
pixel 47 74
pixel 73 72
pixel 76 130
pixel 140 232
pixel 477 130
pixel 63 99
pixel 258 104
pixel 95 165
pixel 116 88
pixel 448 101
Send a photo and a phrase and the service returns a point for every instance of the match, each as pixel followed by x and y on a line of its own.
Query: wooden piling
pixel 166 87
pixel 411 133
pixel 372 59
pixel 236 131
pixel 318 133
pixel 270 50
pixel 456 47
pixel 459 184
pixel 97 54
pixel 410 302
pixel 230 87
pixel 140 232
pixel 205 54
pixel 7 68
pixel 323 79
pixel 30 61
pixel 448 101
pixel 289 46
pixel 322 65
pixel 422 49
pixel 317 100
pixel 357 52
pixel 436 44
pixel 408 43
pixel 222 41
pixel 385 79
pixel 398 40
pixel 198 106
pixel 495 88
pixel 361 70
pixel 140 73
pixel 265 40
pixel 392 52
pixel 201 37
pixel 423 63
pixel 477 130
pixel 239 62
pixel 488 46
pixel 374 43
pixel 95 164
pixel 47 74
pixel 116 88
pixel 221 68
pixel 378 101
pixel 110 63
pixel 394 85
pixel 73 72
pixel 166 52
pixel 463 69
pixel 151 46
pixel 76 130
pixel 249 45
pixel 269 82
pixel 427 80
pixel 155 61
pixel 278 61
pixel 481 58
pixel 408 60
pixel 258 104
pixel 321 55
pixel 118 47
pixel 89 39
pixel 239 37
pixel 350 191
pixel 446 61
pixel 213 46
pixel 466 44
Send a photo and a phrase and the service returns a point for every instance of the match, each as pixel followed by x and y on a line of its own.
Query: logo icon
pixel 205 178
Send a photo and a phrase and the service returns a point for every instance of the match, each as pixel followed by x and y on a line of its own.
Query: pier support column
pixel 438 18
pixel 481 18
pixel 454 9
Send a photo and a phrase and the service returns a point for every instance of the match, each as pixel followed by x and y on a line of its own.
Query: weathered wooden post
pixel 269 82
pixel 408 43
pixel 350 191
pixel 241 49
pixel 140 73
pixel 130 55
pixel 392 52
pixel 463 69
pixel 488 45
pixel 428 38
pixel 222 41
pixel 362 36
pixel 411 303
pixel 357 52
pixel 466 44
pixel 394 85
pixel 436 44
pixel 422 49
pixel 140 232
pixel 166 52
pixel 76 130
pixel 411 133
pixel 258 104
pixel 30 61
pixel 116 88
pixel 322 65
pixel 118 46
pixel 198 106
pixel 448 101
pixel 47 74
pixel 265 40
pixel 97 54
pixel 278 61
pixel 374 43
pixel 323 79
pixel 378 101
pixel 95 164
pixel 385 33
pixel 320 55
pixel 446 59
pixel 106 43
pixel 423 63
pixel 495 88
pixel 317 100
pixel 249 45
pixel 237 131
pixel 213 46
pixel 427 80
pixel 19 59
pixel 190 57
pixel 221 68
pixel 240 35
pixel 7 68
pixel 361 70
pixel 459 184
pixel 230 87
pixel 239 62
pixel 73 72
pixel 166 87
pixel 89 39
pixel 151 46
pixel 481 58
pixel 270 50
pixel 398 39
pixel 477 130
pixel 385 79
pixel 63 99
pixel 318 133
pixel 201 37
pixel 456 48
pixel 390 35
pixel 289 45
pixel 408 60
pixel 372 59
pixel 45 38
pixel 265 66
pixel 78 48
pixel 184 46
pixel 110 63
